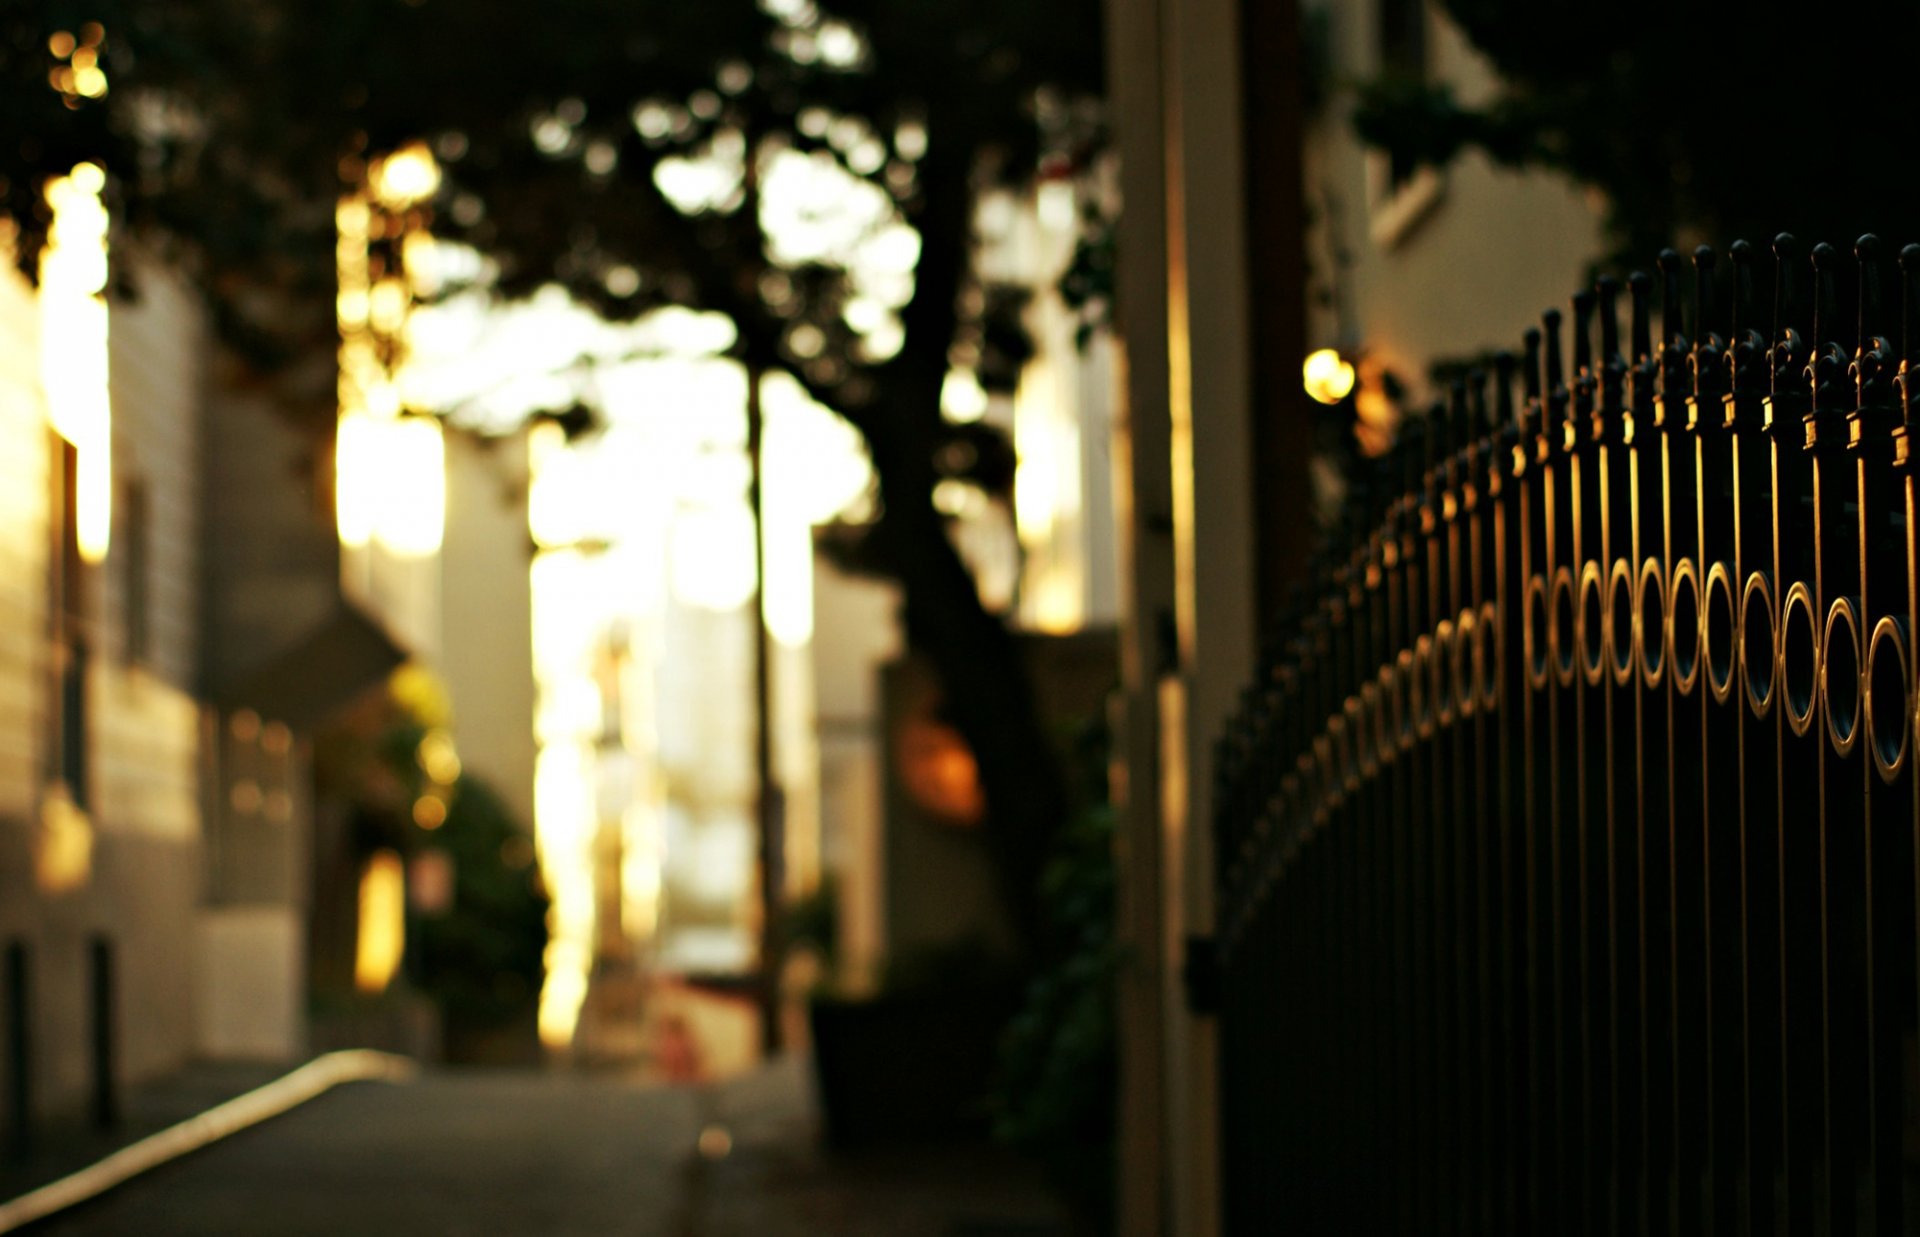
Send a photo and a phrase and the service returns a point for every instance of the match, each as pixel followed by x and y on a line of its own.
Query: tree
pixel 1690 117
pixel 228 125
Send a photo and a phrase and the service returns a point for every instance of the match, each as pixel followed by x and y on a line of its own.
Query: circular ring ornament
pixel 1464 663
pixel 1840 675
pixel 1439 656
pixel 1651 626
pixel 1720 632
pixel 1564 635
pixel 1802 698
pixel 1592 624
pixel 1392 714
pixel 1683 619
pixel 1889 740
pixel 1486 655
pixel 1622 643
pixel 1534 632
pixel 1756 617
pixel 1367 729
pixel 1419 684
pixel 1410 696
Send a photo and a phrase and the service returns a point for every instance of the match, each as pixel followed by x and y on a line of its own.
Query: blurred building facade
pixel 101 726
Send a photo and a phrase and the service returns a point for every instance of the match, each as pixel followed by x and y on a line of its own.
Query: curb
pixel 283 1094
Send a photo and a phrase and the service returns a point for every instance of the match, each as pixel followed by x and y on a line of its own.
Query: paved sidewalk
pixel 776 1182
pixel 556 1153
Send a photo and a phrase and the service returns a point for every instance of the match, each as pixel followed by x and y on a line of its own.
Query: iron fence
pixel 1567 862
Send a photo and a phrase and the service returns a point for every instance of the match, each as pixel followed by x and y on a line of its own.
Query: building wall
pixel 133 865
pixel 1455 263
pixel 486 642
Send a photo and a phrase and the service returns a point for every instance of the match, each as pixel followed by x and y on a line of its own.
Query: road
pixel 447 1154
pixel 453 1154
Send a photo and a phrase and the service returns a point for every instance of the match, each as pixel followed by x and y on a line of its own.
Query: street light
pixel 1327 376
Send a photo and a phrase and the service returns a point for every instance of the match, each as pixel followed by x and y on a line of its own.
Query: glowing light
pixel 429 812
pixel 408 175
pixel 63 851
pixel 355 454
pixel 438 758
pixel 1327 376
pixel 962 398
pixel 390 483
pixel 712 554
pixel 382 938
pixel 564 828
pixel 73 344
pixel 940 773
pixel 910 140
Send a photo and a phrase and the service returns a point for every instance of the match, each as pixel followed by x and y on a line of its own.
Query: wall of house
pixel 486 641
pixel 1452 264
pixel 127 876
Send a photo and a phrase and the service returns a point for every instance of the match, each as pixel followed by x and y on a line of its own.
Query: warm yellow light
pixel 564 827
pixel 383 922
pixel 408 175
pixel 354 502
pixel 390 483
pixel 429 812
pixel 73 344
pixel 63 851
pixel 94 498
pixel 438 757
pixel 1328 377
pixel 415 472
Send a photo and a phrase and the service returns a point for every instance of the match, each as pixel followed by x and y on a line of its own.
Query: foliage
pixel 232 126
pixel 1059 1058
pixel 1692 118
pixel 479 959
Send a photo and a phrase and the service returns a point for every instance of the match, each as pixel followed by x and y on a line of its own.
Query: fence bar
pixel 1568 877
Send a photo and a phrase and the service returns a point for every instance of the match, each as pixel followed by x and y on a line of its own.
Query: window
pixel 136 573
pixel 67 631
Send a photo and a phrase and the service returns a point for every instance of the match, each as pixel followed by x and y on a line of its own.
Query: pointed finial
pixel 1826 298
pixel 1909 376
pixel 1556 379
pixel 1612 367
pixel 1607 292
pixel 1828 365
pixel 1503 366
pixel 1459 420
pixel 1742 255
pixel 1786 285
pixel 1910 307
pixel 1705 308
pixel 1866 251
pixel 1582 332
pixel 1746 347
pixel 1640 293
pixel 1873 358
pixel 1671 327
pixel 1706 358
pixel 1479 426
pixel 1530 373
pixel 1412 447
pixel 1789 318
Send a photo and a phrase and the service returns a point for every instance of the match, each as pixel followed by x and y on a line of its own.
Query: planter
pixel 907 1068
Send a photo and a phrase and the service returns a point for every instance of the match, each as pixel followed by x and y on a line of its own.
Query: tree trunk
pixel 986 684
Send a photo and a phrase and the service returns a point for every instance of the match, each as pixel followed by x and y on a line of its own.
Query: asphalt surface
pixel 448 1154
pixel 556 1155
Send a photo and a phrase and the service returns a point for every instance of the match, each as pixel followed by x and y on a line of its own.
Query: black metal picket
pixel 1567 865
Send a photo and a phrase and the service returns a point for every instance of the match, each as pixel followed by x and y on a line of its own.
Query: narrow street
pixel 558 1155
